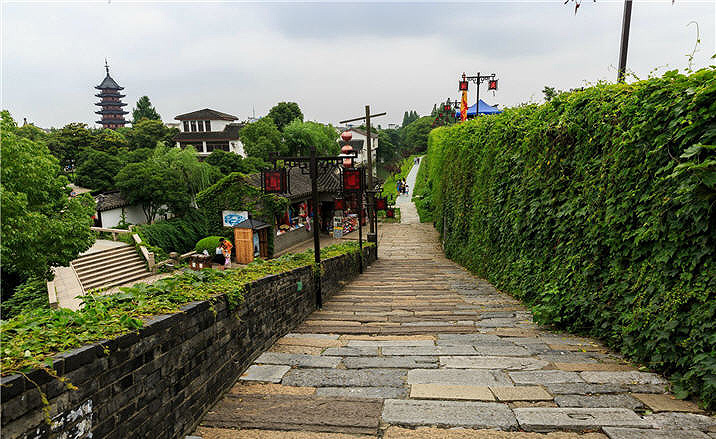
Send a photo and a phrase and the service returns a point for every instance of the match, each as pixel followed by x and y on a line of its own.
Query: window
pixel 207 124
pixel 193 126
pixel 200 124
pixel 186 126
pixel 212 146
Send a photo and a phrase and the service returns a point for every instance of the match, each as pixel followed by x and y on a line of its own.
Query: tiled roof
pixel 231 131
pixel 110 200
pixel 206 114
pixel 109 83
pixel 253 224
pixel 300 184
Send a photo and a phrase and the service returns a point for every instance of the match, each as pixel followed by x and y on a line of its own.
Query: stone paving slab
pixel 310 341
pixel 270 374
pixel 567 357
pixel 352 352
pixel 448 413
pixel 230 433
pixel 451 392
pixel 387 337
pixel 287 349
pixel 290 412
pixel 545 377
pixel 638 433
pixel 584 388
pixel 383 343
pixel 548 419
pixel 520 393
pixel 476 377
pixel 297 360
pixel 504 363
pixel 363 392
pixel 269 388
pixel 582 367
pixel 390 362
pixel 345 378
pixel 595 401
pixel 465 433
pixel 501 350
pixel 622 377
pixel 428 350
pixel 666 403
pixel 681 421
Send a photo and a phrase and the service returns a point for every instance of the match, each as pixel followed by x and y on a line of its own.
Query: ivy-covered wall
pixel 597 208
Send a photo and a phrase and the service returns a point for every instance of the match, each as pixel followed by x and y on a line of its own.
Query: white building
pixel 208 130
pixel 358 143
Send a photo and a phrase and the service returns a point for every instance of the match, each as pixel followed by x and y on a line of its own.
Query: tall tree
pixel 284 113
pixel 147 132
pixel 300 136
pixel 416 134
pixel 42 227
pixel 98 169
pixel 261 138
pixel 67 142
pixel 144 110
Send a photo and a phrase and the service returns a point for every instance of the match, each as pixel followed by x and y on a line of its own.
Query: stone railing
pixel 159 382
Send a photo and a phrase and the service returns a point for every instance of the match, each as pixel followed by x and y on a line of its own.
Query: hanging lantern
pixel 346 136
pixel 446 107
pixel 463 86
pixel 492 84
pixel 274 181
pixel 381 204
pixel 339 204
pixel 352 180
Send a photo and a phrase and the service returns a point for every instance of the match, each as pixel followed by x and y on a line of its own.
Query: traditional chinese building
pixel 208 130
pixel 111 102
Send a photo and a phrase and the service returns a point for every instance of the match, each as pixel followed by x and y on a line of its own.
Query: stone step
pixel 109 264
pixel 82 260
pixel 119 279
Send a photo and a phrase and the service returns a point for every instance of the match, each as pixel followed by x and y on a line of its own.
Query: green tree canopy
pixel 229 162
pixel 416 134
pixel 42 226
pixel 300 136
pixel 67 142
pixel 147 132
pixel 109 141
pixel 144 110
pixel 262 138
pixel 98 169
pixel 284 113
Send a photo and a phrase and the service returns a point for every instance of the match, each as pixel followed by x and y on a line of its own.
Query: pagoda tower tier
pixel 110 102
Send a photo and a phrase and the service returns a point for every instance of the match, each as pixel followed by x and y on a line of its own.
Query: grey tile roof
pixel 230 132
pixel 109 83
pixel 206 114
pixel 110 200
pixel 300 184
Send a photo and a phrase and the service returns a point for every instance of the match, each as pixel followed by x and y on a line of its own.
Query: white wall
pixel 133 214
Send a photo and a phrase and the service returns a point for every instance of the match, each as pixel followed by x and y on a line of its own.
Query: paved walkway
pixel 418 348
pixel 408 212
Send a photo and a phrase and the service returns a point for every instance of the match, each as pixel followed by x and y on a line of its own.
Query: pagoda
pixel 111 103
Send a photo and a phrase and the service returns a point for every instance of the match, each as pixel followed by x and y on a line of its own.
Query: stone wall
pixel 159 382
pixel 289 239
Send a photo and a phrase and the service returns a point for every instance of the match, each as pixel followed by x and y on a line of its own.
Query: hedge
pixel 176 234
pixel 597 209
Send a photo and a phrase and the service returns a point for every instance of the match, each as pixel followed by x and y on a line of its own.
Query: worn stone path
pixel 418 348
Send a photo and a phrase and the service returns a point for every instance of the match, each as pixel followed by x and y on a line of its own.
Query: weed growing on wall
pixel 597 208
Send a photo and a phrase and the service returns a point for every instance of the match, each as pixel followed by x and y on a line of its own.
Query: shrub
pixel 176 234
pixel 597 208
pixel 29 295
pixel 209 244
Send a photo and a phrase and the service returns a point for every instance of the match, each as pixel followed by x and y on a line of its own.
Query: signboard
pixel 231 218
pixel 338 227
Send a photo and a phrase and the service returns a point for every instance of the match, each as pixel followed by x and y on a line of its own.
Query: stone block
pixel 501 350
pixel 463 433
pixel 541 377
pixel 270 374
pixel 310 341
pixel 448 414
pixel 622 377
pixel 488 362
pixel 390 362
pixel 383 343
pixel 520 393
pixel 345 378
pixel 469 339
pixel 602 367
pixel 638 433
pixel 547 419
pixel 666 403
pixel 584 388
pixel 603 401
pixel 476 377
pixel 428 350
pixel 352 352
pixel 363 392
pixel 451 392
pixel 567 357
pixel 298 360
pixel 681 421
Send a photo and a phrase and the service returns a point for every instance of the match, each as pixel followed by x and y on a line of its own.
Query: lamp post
pixel 277 180
pixel 626 22
pixel 479 79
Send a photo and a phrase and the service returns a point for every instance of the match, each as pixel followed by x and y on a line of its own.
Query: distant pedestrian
pixel 226 247
pixel 219 253
pixel 399 187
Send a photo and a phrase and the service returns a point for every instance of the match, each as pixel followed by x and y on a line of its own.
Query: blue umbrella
pixel 484 109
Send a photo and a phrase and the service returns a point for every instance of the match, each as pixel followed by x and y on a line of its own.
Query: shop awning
pixel 252 224
pixel 484 109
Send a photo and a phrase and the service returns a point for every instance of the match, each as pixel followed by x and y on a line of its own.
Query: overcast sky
pixel 332 58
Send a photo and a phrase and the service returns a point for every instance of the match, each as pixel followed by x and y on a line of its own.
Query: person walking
pixel 398 187
pixel 226 247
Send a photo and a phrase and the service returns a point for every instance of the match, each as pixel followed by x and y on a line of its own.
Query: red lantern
pixel 492 84
pixel 381 204
pixel 274 181
pixel 446 108
pixel 390 213
pixel 352 180
pixel 339 204
pixel 463 86
pixel 346 136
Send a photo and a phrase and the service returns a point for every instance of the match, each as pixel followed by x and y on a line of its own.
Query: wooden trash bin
pixel 244 245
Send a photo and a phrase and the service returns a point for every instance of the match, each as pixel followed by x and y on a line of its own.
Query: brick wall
pixel 159 382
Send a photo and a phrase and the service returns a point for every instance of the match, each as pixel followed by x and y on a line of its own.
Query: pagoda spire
pixel 111 102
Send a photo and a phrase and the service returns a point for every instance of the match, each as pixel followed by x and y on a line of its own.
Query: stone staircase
pixel 109 268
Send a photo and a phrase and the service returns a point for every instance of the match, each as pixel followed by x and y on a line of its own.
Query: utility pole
pixel 626 22
pixel 371 202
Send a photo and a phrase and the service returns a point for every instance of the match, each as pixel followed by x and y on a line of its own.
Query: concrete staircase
pixel 109 268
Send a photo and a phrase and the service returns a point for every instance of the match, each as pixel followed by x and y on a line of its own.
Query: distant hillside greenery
pixel 598 209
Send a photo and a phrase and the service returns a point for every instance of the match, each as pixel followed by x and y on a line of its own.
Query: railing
pixel 148 256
